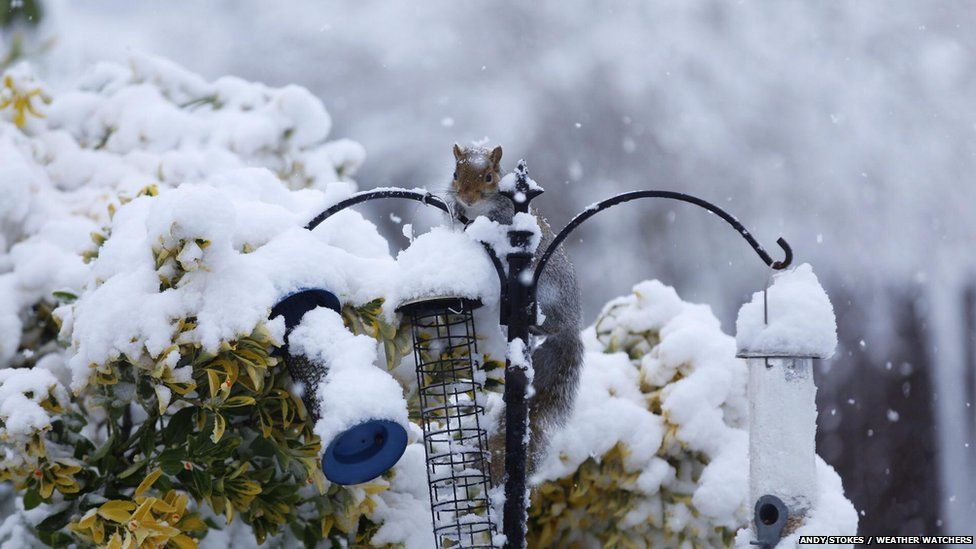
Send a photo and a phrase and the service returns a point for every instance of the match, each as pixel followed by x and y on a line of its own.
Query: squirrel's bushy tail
pixel 556 387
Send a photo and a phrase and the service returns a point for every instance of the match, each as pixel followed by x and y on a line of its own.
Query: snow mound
pixel 800 318
pixel 21 394
pixel 446 263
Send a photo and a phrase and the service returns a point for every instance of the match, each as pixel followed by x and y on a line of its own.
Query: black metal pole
pixel 520 315
pixel 516 408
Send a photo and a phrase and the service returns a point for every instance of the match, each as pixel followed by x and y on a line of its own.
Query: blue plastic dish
pixel 364 452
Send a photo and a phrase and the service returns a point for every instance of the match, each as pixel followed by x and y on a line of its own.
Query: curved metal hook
pixel 787 255
pixel 424 197
pixel 634 195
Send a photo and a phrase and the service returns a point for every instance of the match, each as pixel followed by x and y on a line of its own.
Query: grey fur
pixel 558 360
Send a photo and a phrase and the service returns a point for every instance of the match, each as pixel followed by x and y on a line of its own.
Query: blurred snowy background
pixel 849 128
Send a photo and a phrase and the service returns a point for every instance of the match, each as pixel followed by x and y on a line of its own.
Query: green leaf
pixel 32 499
pixel 262 447
pixel 147 441
pixel 390 350
pixel 137 466
pixel 103 449
pixel 65 296
pixel 387 330
pixel 220 424
pixel 57 521
pixel 56 539
pixel 163 484
pixel 179 427
pixel 171 460
pixel 203 482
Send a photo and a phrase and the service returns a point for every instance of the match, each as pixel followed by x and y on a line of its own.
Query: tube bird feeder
pixel 782 433
pixel 456 444
pixel 780 333
pixel 368 448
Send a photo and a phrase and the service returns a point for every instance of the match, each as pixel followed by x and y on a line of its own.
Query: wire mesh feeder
pixel 445 343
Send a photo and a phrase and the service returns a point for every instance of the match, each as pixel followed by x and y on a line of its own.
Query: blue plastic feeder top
pixel 364 452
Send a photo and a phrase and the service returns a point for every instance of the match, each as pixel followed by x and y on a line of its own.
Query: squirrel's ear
pixel 457 152
pixel 496 155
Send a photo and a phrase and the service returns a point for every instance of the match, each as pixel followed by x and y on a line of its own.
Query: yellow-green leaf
pixel 219 425
pixel 116 510
pixel 148 482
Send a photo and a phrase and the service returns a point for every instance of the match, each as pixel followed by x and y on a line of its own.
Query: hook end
pixel 787 255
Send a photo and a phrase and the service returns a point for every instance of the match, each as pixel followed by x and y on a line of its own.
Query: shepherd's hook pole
pixel 520 315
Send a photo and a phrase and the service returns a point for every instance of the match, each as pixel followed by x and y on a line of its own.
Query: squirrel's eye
pixel 488 178
pixel 455 176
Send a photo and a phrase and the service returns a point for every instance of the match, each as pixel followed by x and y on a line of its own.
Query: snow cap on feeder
pixel 780 332
pixel 357 409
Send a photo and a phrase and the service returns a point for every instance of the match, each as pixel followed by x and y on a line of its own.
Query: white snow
pixel 404 509
pixel 508 182
pixel 800 318
pixel 21 392
pixel 495 234
pixel 442 263
pixel 22 417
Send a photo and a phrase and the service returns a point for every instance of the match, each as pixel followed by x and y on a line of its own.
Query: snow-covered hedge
pixel 656 452
pixel 150 220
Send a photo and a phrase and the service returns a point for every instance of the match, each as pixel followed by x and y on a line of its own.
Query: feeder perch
pixel 782 445
pixel 456 444
pixel 770 520
pixel 362 452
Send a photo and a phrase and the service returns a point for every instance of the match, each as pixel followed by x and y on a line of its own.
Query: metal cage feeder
pixel 455 442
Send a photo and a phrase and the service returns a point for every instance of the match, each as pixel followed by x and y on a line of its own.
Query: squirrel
pixel 558 360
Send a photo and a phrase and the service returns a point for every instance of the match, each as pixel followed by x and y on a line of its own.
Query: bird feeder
pixel 782 433
pixel 456 444
pixel 782 412
pixel 367 449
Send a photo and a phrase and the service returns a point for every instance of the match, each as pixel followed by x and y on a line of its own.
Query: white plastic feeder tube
pixel 782 431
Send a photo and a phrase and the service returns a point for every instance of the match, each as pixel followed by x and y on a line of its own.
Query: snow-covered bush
pixel 656 452
pixel 157 323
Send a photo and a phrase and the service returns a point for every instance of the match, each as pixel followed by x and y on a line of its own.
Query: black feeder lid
pixel 437 303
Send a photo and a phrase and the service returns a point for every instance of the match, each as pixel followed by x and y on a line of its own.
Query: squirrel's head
pixel 476 173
